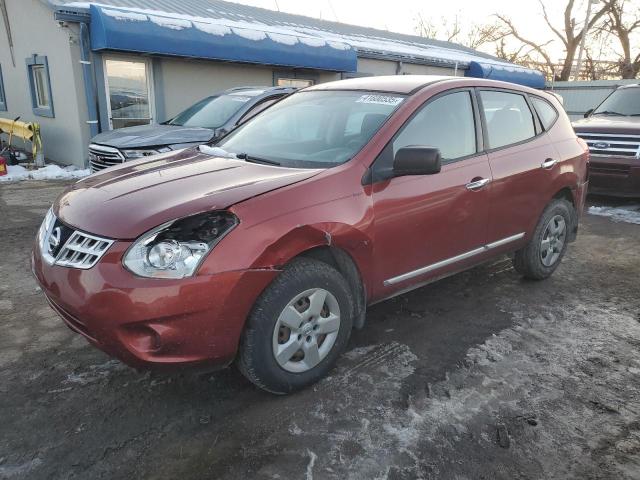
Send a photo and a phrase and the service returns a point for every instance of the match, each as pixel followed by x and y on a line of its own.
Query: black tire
pixel 528 261
pixel 256 359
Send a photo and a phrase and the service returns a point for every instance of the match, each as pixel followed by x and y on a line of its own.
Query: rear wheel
pixel 297 328
pixel 542 255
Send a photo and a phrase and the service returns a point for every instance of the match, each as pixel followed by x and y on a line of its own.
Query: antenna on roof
pixel 333 10
pixel 277 6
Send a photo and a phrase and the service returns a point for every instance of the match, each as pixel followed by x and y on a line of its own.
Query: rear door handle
pixel 477 184
pixel 548 163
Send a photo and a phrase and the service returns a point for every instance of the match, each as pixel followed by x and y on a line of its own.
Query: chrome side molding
pixel 449 261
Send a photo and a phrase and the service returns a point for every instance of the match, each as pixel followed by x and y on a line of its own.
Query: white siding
pixel 34 31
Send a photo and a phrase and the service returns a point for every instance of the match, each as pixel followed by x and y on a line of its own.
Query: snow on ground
pixel 628 214
pixel 49 172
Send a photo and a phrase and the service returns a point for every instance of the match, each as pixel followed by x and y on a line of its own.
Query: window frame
pixel 3 96
pixel 537 97
pixel 537 126
pixel 378 172
pixel 278 75
pixel 39 61
pixel 150 81
pixel 248 115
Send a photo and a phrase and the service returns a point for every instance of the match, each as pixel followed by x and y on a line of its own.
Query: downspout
pixel 7 27
pixel 89 88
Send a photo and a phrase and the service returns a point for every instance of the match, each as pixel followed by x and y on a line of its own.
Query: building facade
pixel 79 68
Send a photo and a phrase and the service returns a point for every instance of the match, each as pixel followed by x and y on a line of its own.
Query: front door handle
pixel 548 163
pixel 477 184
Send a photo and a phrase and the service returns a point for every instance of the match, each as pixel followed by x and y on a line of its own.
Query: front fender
pixel 302 238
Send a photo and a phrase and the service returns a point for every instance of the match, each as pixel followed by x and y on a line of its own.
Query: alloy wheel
pixel 553 239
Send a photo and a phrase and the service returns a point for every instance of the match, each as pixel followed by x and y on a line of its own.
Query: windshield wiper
pixel 252 159
pixel 609 112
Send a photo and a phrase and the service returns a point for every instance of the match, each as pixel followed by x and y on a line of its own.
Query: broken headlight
pixel 141 153
pixel 176 249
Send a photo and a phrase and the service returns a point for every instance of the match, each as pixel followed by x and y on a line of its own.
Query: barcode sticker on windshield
pixel 380 99
pixel 239 99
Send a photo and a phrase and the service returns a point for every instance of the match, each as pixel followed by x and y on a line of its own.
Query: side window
pixel 509 119
pixel 3 99
pixel 546 112
pixel 446 123
pixel 40 86
pixel 257 108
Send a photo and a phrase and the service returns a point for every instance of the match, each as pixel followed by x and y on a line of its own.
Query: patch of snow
pixel 338 45
pixel 250 34
pixel 172 23
pixel 295 429
pixel 629 214
pixel 212 28
pixel 312 41
pixel 125 16
pixel 284 39
pixel 49 172
pixel 312 461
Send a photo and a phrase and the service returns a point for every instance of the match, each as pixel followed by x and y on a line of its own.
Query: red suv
pixel 267 248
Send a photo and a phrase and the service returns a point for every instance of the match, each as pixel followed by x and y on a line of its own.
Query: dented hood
pixel 125 201
pixel 152 136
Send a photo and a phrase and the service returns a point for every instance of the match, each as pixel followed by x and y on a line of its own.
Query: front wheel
pixel 298 327
pixel 542 255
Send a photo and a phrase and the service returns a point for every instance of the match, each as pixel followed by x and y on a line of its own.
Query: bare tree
pixel 622 24
pixel 474 37
pixel 570 35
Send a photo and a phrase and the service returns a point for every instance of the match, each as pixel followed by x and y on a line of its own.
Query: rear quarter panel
pixel 572 158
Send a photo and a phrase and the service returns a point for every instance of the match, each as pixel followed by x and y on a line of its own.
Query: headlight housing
pixel 141 153
pixel 177 248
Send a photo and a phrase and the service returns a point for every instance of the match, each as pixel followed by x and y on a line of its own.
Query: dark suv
pixel 205 121
pixel 612 131
pixel 267 248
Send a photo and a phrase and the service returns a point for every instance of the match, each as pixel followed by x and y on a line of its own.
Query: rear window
pixel 509 119
pixel 548 115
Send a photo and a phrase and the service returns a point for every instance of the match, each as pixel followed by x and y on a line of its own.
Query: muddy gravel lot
pixel 482 375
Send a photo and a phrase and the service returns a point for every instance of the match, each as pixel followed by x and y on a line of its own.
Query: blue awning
pixel 507 73
pixel 139 31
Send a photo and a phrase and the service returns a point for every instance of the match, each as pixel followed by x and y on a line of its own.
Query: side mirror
pixel 588 112
pixel 417 160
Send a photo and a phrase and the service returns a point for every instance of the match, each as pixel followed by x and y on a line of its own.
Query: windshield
pixel 625 101
pixel 212 112
pixel 313 129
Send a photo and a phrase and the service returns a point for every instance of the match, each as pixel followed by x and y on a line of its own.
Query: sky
pixel 526 14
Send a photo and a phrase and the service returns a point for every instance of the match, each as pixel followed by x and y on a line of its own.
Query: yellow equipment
pixel 28 132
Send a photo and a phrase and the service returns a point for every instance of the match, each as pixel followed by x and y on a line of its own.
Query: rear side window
pixel 508 117
pixel 446 123
pixel 546 112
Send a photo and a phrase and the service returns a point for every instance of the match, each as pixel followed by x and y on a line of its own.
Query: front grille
pixel 101 157
pixel 82 250
pixel 612 144
pixel 610 169
pixel 64 246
